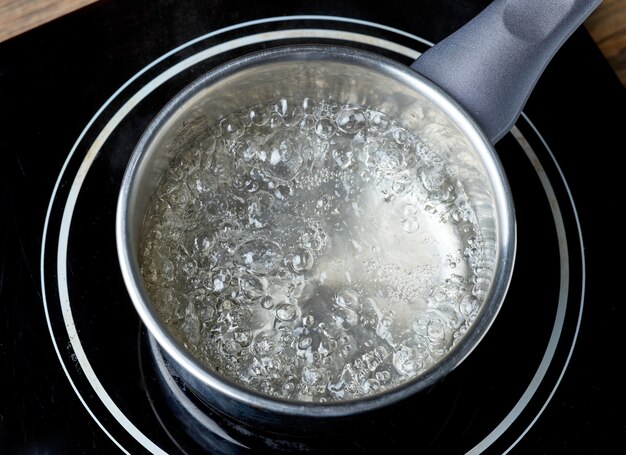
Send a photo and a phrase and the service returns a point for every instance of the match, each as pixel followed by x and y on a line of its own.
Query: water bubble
pixel 226 305
pixel 350 120
pixel 433 178
pixel 267 302
pixel 381 352
pixel 308 321
pixel 307 123
pixel 157 268
pixel 247 149
pixel 325 128
pixel 290 115
pixel 305 342
pixel 251 185
pixel 323 109
pixel 276 121
pixel 260 256
pixel 410 224
pixel 256 213
pixel 284 156
pixel 181 164
pixel 400 135
pixel 345 318
pixel 221 167
pixel 383 376
pixel 347 298
pixel 406 361
pixel 308 106
pixel 468 305
pixel 436 332
pixel 187 268
pixel 221 279
pixel 227 243
pixel 327 347
pixel 251 286
pixel 176 197
pixel 259 115
pixel 232 127
pixel 282 192
pixel 398 186
pixel 388 159
pixel 343 157
pixel 379 122
pixel 301 260
pixel 368 316
pixel 200 242
pixel 371 361
pixel 324 203
pixel 286 312
pixel 312 239
pixel 207 282
pixel 289 387
pixel 329 330
pixel 206 312
pixel 243 337
pixel 265 343
pixel 481 289
pixel 230 347
pixel 370 386
pixel 312 375
pixel 200 182
pixel 457 215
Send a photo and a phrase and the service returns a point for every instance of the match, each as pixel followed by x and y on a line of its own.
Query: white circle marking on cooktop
pixel 92 154
pixel 561 308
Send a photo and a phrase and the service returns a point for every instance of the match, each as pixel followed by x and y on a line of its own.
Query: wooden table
pixel 607 25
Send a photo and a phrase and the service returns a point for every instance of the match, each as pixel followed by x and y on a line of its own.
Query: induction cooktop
pixel 81 374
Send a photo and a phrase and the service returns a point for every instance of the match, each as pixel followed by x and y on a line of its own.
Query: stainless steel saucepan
pixel 459 98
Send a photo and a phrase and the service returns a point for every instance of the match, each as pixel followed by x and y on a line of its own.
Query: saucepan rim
pixel 506 235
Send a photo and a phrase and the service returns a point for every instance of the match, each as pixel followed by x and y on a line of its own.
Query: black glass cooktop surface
pixel 81 374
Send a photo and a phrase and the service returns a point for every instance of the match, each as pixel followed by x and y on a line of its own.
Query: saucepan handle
pixel 491 65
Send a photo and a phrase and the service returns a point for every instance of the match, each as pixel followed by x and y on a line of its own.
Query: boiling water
pixel 312 251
